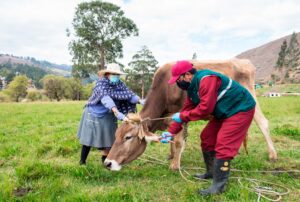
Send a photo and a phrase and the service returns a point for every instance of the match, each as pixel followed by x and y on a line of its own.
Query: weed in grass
pixel 34 170
pixel 43 149
pixel 64 150
pixel 6 187
pixel 9 150
pixel 289 131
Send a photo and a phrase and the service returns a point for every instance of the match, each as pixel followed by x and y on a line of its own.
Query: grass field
pixel 39 155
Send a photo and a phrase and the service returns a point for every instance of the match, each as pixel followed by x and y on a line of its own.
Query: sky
pixel 171 29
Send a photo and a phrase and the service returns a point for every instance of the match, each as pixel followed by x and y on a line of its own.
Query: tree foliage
pixel 289 55
pixel 143 66
pixel 54 86
pixel 281 56
pixel 293 52
pixel 74 90
pixel 9 71
pixel 17 88
pixel 87 90
pixel 34 95
pixel 99 28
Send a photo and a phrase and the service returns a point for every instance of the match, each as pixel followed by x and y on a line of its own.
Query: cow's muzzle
pixel 112 165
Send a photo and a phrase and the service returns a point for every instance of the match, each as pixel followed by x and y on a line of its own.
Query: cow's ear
pixel 151 137
pixel 141 132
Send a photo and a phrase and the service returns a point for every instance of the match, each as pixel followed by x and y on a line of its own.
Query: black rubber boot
pixel 208 157
pixel 220 177
pixel 85 150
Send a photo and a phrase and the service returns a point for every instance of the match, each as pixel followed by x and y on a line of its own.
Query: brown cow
pixel 163 100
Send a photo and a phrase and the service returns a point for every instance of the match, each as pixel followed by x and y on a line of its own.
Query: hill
pixel 264 58
pixel 64 70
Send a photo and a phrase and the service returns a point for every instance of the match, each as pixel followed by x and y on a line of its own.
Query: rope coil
pixel 263 191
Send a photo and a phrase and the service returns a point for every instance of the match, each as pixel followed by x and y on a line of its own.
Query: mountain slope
pixel 265 57
pixel 64 70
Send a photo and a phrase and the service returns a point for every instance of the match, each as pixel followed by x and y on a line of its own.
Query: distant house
pixel 31 84
pixel 2 83
pixel 273 94
pixel 257 86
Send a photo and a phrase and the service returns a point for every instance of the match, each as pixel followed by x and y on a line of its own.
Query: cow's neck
pixel 153 113
pixel 155 107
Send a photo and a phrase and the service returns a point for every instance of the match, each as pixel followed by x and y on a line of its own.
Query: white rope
pixel 265 192
pixel 262 191
pixel 251 171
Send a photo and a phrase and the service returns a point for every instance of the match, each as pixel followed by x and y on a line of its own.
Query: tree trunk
pixel 143 85
pixel 102 60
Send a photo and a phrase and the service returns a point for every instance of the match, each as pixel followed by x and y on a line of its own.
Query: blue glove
pixel 166 134
pixel 120 116
pixel 176 117
pixel 166 137
pixel 142 102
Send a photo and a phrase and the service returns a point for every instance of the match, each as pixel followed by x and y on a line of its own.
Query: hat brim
pixel 173 79
pixel 103 72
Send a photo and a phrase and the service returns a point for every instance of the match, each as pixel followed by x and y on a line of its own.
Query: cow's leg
pixel 172 151
pixel 178 147
pixel 263 124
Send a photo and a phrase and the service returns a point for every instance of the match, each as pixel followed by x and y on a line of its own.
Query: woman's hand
pixel 119 115
pixel 142 101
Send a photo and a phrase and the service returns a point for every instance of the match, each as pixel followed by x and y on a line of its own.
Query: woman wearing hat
pixel 110 100
pixel 232 106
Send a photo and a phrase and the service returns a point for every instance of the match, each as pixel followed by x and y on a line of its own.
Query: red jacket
pixel 208 93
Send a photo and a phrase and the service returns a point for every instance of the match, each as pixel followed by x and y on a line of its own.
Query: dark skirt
pixel 97 132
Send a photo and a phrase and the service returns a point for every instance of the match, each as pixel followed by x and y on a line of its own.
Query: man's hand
pixel 166 137
pixel 176 117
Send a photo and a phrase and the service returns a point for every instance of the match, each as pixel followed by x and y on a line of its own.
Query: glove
pixel 120 116
pixel 176 117
pixel 142 101
pixel 166 137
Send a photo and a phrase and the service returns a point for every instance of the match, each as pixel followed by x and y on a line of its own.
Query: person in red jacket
pixel 231 105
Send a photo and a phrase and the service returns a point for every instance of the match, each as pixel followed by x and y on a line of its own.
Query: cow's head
pixel 131 141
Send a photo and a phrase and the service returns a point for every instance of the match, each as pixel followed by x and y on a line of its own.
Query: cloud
pixel 172 30
pixel 36 28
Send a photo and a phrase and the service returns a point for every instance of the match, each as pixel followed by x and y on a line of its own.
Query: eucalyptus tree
pixel 99 28
pixel 143 66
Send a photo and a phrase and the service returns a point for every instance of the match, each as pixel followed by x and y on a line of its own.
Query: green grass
pixel 39 155
pixel 282 88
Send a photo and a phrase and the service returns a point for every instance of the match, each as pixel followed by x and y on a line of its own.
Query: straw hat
pixel 111 68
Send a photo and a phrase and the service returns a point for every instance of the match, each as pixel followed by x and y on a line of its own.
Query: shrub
pixel 34 95
pixel 4 97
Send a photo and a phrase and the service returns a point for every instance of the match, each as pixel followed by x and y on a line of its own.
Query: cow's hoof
pixel 273 157
pixel 174 167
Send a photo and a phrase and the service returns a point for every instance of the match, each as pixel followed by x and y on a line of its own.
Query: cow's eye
pixel 128 137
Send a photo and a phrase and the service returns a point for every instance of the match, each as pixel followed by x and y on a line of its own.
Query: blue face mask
pixel 114 78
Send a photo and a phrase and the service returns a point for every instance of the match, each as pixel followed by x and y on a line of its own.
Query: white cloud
pixel 172 30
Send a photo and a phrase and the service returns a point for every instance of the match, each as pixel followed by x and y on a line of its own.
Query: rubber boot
pixel 208 157
pixel 220 177
pixel 85 150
